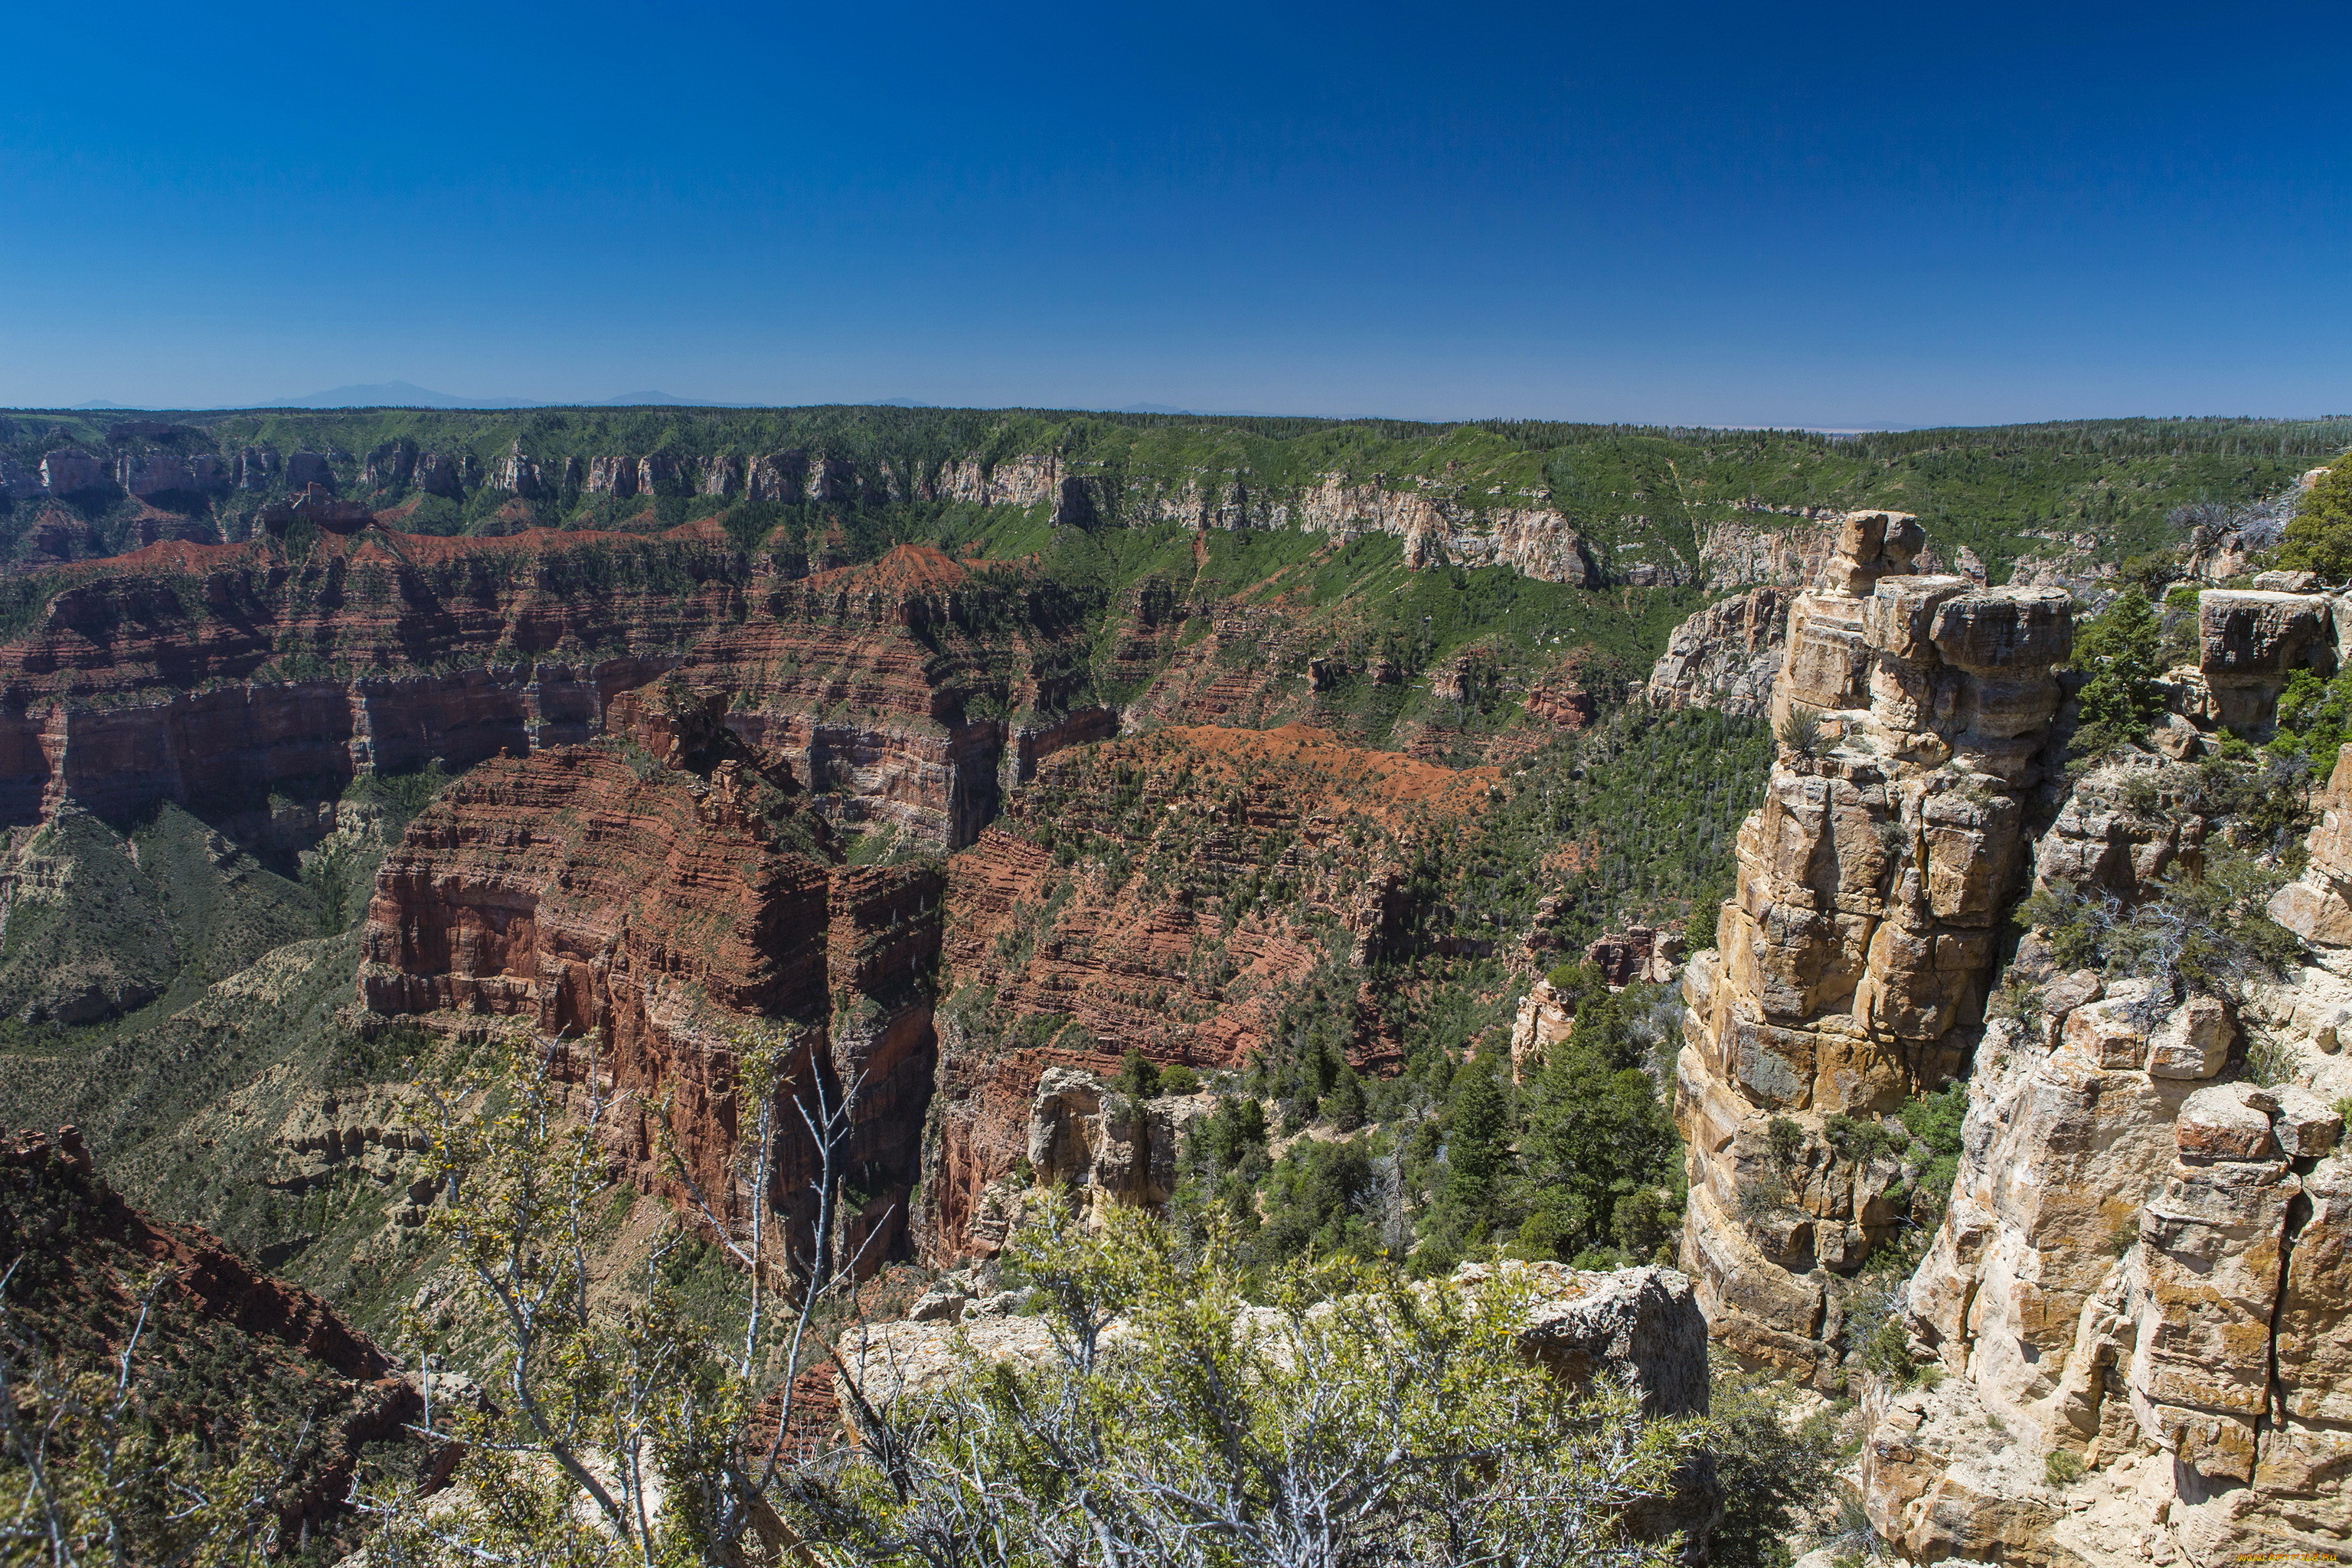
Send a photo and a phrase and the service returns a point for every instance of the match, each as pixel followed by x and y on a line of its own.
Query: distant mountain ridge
pixel 408 394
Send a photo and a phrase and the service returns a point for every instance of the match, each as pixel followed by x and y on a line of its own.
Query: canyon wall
pixel 2140 1278
pixel 2135 1299
pixel 210 676
pixel 1435 526
pixel 651 906
pixel 1436 522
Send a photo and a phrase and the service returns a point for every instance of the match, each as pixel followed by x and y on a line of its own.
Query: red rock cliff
pixel 1172 894
pixel 607 897
pixel 205 674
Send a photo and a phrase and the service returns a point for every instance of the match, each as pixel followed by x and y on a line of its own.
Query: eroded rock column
pixel 1850 967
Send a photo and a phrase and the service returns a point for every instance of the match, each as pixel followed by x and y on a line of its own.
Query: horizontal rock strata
pixel 211 675
pixel 652 913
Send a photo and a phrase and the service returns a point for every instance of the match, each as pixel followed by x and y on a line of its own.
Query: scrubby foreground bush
pixel 1357 1420
pixel 1349 1417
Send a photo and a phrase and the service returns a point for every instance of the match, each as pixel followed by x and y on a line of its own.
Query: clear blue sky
pixel 1811 214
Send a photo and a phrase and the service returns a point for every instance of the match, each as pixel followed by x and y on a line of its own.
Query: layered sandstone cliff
pixel 1851 965
pixel 648 907
pixel 213 675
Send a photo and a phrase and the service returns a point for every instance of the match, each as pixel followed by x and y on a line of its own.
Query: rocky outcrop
pixel 1030 479
pixel 2081 563
pixel 1437 529
pixel 1641 1326
pixel 2225 540
pixel 1727 656
pixel 1544 1020
pixel 2250 642
pixel 1108 1148
pixel 519 473
pixel 1851 965
pixel 2317 906
pixel 1787 555
pixel 375 1132
pixel 163 474
pixel 1435 526
pixel 1636 954
pixel 2124 827
pixel 2138 1291
pixel 2114 1285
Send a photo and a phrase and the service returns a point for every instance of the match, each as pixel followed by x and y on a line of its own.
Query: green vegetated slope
pixel 227 989
pixel 103 923
pixel 1303 600
pixel 1636 493
pixel 1630 823
pixel 174 1395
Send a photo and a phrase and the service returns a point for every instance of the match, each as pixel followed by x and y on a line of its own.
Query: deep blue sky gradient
pixel 1829 215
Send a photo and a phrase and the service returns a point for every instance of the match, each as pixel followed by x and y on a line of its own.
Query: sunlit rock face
pixel 1851 966
pixel 650 903
pixel 1725 657
pixel 2138 1291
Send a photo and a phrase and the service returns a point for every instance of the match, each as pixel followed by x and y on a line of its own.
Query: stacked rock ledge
pixel 1852 964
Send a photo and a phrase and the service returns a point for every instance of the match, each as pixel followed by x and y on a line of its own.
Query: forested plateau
pixel 626 963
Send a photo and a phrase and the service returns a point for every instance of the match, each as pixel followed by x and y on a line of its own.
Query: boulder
pixel 2193 1042
pixel 2307 1126
pixel 1641 1323
pixel 2000 630
pixel 2251 633
pixel 2061 997
pixel 2318 907
pixel 2224 1122
pixel 2109 1035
